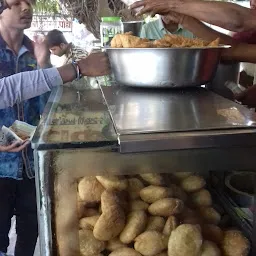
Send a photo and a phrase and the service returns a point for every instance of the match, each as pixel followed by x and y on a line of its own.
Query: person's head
pixel 18 16
pixel 57 43
pixel 253 4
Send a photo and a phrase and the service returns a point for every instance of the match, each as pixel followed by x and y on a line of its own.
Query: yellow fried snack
pixel 185 240
pixel 127 40
pixel 210 249
pixel 150 243
pixel 166 207
pixel 112 220
pixel 235 244
pixel 155 223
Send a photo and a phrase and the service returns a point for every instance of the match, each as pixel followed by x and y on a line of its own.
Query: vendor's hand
pixel 15 147
pixel 41 51
pixel 154 7
pixel 96 64
pixel 248 97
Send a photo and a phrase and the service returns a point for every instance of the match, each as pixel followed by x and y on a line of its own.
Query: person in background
pixel 163 25
pixel 59 46
pixel 17 183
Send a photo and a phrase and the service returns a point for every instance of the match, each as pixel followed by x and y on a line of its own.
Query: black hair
pixel 55 38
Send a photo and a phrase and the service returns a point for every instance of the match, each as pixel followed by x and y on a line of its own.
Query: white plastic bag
pixel 130 2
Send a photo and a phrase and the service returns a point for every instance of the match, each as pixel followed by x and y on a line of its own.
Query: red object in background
pixel 248 37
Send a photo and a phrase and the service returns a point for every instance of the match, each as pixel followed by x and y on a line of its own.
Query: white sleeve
pixel 26 85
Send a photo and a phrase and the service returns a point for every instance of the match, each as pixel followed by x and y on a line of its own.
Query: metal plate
pixel 140 111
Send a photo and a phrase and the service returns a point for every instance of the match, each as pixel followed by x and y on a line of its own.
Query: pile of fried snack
pixel 127 40
pixel 142 215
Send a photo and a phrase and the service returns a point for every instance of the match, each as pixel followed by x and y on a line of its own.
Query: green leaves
pixel 47 7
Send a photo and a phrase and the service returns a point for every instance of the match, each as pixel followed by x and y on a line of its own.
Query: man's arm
pixel 226 15
pixel 26 85
pixel 199 29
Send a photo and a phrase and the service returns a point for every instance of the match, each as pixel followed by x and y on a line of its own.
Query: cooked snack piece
pixel 124 252
pixel 115 244
pixel 137 205
pixel 89 245
pixel 127 40
pixel 153 178
pixel 193 183
pixel 166 207
pixel 235 244
pixel 153 193
pixel 90 190
pixel 210 249
pixel 214 43
pixel 112 220
pixel 212 233
pixel 116 41
pixel 135 225
pixel 112 182
pixel 88 222
pixel 201 198
pixel 155 223
pixel 134 188
pixel 150 243
pixel 210 215
pixel 185 240
pixel 170 225
pixel 181 175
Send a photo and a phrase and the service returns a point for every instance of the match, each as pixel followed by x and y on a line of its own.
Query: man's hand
pixel 15 147
pixel 41 51
pixel 96 64
pixel 154 7
pixel 248 97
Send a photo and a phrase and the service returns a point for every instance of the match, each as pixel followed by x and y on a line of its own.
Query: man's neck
pixel 13 38
pixel 171 26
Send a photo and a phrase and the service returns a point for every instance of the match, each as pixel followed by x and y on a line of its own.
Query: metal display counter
pixel 121 131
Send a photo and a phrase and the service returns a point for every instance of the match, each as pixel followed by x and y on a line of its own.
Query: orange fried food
pixel 127 40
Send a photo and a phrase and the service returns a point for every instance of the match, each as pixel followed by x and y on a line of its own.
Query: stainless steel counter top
pixel 177 119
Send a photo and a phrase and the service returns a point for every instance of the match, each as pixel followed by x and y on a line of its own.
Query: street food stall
pixel 136 171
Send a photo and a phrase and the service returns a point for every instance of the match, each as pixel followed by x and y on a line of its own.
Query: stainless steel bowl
pixel 164 67
pixel 133 26
pixel 240 186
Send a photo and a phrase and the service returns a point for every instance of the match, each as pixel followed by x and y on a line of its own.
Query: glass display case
pixel 126 171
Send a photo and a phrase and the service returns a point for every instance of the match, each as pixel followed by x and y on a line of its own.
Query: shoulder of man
pixel 78 52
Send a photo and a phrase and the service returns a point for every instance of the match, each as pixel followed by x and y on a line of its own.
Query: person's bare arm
pixel 226 15
pixel 199 29
pixel 241 52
